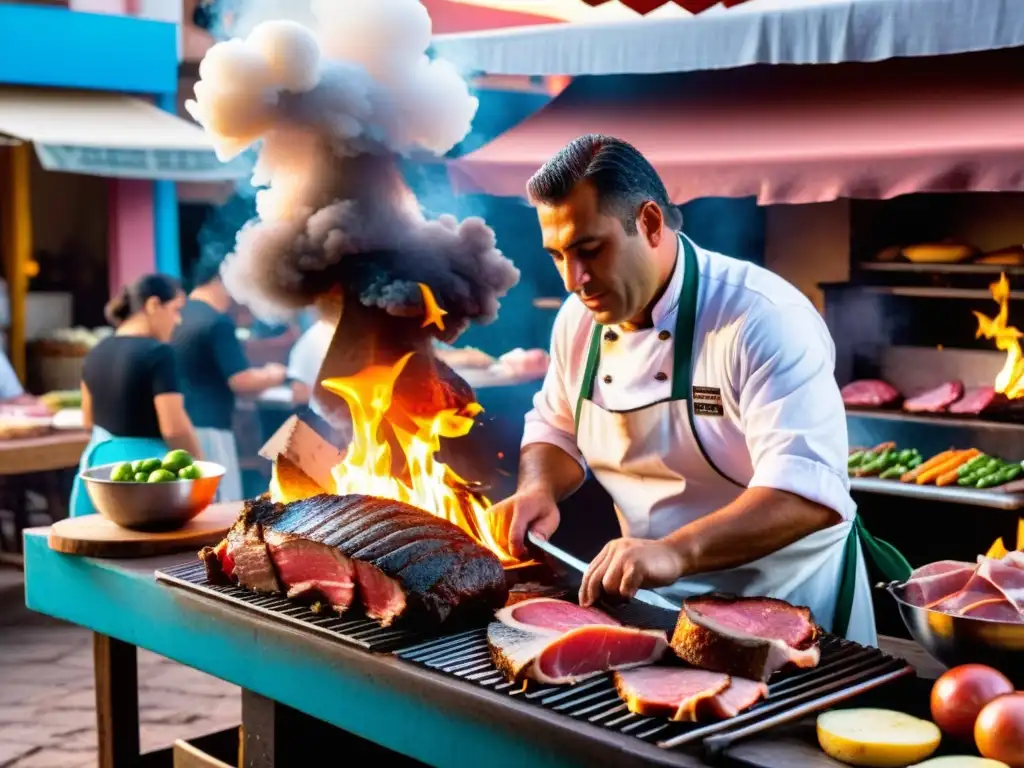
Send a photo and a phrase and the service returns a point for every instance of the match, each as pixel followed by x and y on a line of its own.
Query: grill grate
pixel 354 628
pixel 846 669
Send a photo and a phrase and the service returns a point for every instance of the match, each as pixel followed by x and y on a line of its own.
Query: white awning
pixel 107 134
pixel 753 32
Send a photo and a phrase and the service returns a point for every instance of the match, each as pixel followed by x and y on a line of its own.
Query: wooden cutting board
pixel 95 536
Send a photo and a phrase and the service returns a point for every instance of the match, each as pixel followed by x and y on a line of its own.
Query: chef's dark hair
pixel 622 177
pixel 133 297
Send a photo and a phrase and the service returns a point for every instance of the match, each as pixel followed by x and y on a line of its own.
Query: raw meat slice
pixel 870 393
pixel 672 692
pixel 747 637
pixel 935 400
pixel 977 589
pixel 406 561
pixel 741 695
pixel 572 656
pixel 935 581
pixel 545 614
pixel 1007 578
pixel 974 401
pixel 993 609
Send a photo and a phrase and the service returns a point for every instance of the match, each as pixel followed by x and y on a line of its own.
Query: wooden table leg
pixel 117 702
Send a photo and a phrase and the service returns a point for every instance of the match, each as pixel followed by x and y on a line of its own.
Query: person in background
pixel 11 390
pixel 131 392
pixel 215 370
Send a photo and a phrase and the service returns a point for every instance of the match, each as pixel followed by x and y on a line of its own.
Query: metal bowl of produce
pixel 955 640
pixel 152 506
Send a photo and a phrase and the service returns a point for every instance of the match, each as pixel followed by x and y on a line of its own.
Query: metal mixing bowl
pixel 955 640
pixel 151 506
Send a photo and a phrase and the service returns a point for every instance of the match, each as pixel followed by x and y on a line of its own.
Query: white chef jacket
pixel 759 340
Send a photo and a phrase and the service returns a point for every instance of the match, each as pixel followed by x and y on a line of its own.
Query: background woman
pixel 131 394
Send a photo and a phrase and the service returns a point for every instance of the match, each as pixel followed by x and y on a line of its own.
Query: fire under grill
pixel 846 669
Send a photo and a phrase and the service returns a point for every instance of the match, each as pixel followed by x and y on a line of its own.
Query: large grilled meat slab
pixel 749 637
pixel 554 641
pixel 393 558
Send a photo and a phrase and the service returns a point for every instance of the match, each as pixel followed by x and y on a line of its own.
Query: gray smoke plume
pixel 333 104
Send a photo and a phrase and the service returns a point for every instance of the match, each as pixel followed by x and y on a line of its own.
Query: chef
pixel 699 391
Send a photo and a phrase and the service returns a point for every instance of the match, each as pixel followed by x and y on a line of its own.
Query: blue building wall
pixel 58 48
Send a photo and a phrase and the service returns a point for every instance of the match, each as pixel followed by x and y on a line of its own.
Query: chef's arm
pixel 547 469
pixel 759 522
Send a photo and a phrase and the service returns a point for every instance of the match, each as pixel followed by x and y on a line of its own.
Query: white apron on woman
pixel 656 468
pixel 219 446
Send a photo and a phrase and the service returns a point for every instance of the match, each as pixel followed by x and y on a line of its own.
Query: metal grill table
pixel 846 670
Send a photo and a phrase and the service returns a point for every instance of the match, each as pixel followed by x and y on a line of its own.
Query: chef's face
pixel 614 273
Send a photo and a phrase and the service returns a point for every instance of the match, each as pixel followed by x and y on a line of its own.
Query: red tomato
pixel 999 731
pixel 961 693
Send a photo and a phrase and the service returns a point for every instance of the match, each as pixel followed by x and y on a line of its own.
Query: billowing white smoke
pixel 333 105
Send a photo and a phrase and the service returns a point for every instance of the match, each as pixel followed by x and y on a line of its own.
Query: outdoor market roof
pixel 669 39
pixel 106 134
pixel 789 134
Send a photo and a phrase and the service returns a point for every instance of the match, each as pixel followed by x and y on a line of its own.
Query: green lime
pixel 160 476
pixel 150 465
pixel 175 460
pixel 141 477
pixel 122 473
pixel 190 472
pixel 137 465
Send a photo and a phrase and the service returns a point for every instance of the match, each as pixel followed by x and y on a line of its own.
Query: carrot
pixel 950 465
pixel 934 461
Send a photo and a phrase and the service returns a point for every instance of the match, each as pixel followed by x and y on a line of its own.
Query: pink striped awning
pixel 790 134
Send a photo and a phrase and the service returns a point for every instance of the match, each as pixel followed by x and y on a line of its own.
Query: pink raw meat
pixel 977 589
pixel 974 401
pixel 994 610
pixel 1006 578
pixel 869 393
pixel 934 581
pixel 935 400
pixel 546 614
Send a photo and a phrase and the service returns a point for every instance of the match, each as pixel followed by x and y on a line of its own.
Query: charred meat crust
pixel 502 638
pixel 211 562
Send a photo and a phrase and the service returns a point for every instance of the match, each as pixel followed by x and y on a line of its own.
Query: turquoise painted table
pixel 410 711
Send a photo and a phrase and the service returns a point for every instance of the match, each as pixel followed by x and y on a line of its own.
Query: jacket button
pixel 610 336
pixel 661 376
pixel 664 335
pixel 607 379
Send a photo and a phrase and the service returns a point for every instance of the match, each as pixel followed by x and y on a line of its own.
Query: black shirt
pixel 209 353
pixel 123 375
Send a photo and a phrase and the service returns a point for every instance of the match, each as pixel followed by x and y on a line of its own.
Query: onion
pixel 961 693
pixel 999 730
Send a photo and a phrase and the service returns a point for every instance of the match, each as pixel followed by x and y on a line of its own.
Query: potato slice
pixel 960 761
pixel 876 738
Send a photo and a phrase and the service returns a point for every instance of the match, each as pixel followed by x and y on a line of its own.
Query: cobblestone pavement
pixel 47 709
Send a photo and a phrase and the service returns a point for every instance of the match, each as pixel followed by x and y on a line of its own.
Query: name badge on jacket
pixel 707 401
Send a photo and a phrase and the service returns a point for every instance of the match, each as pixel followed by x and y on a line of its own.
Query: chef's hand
pixel 626 565
pixel 524 511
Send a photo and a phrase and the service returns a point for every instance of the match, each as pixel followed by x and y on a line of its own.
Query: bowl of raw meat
pixel 963 613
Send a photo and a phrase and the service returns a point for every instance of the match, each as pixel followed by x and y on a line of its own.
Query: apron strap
pixel 887 559
pixel 686 323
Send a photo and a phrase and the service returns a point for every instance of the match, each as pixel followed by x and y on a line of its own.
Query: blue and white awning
pixel 753 32
pixel 107 134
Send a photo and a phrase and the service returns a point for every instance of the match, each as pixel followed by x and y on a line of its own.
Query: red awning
pixel 790 134
pixel 449 17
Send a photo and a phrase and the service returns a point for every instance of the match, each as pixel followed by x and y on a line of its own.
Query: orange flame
pixel 1010 380
pixel 998 549
pixel 430 485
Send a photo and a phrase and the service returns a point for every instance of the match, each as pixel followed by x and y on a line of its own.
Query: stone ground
pixel 47 706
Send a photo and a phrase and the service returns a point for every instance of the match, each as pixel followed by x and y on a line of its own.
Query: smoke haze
pixel 334 97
